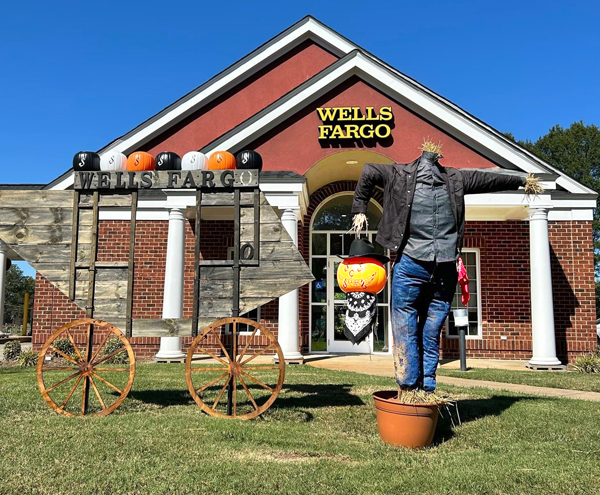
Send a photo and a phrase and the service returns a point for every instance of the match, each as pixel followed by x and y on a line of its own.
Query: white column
pixel 288 334
pixel 170 347
pixel 542 307
pixel 2 282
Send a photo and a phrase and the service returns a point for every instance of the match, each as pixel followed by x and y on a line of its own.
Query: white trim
pixel 479 335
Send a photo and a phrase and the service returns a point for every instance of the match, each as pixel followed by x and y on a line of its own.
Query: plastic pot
pixel 407 425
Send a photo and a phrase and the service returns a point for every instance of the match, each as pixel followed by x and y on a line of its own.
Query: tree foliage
pixel 16 285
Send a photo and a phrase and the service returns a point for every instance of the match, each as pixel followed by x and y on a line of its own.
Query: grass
pixel 552 379
pixel 320 437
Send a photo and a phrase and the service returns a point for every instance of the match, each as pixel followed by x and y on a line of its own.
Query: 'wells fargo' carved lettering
pixel 171 179
pixel 367 125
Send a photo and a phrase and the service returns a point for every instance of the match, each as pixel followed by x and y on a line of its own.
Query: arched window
pixel 335 214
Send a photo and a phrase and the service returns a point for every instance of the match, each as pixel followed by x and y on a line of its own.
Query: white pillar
pixel 288 334
pixel 542 307
pixel 170 347
pixel 2 282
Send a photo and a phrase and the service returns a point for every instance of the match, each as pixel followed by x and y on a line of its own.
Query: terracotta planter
pixel 408 425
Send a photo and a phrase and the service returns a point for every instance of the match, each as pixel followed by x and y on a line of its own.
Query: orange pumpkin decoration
pixel 221 160
pixel 139 161
pixel 361 274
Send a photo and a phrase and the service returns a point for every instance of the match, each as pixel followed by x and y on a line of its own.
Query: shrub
pixel 587 363
pixel 12 350
pixel 65 345
pixel 28 359
pixel 112 344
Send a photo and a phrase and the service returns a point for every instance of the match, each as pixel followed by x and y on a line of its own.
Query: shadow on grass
pixel 301 396
pixel 472 410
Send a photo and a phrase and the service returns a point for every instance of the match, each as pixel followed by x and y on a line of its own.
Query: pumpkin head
pixel 361 275
pixel 194 160
pixel 167 160
pixel 248 160
pixel 86 161
pixel 221 160
pixel 139 161
pixel 113 160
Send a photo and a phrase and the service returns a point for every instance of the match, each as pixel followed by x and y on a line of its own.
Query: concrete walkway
pixel 382 365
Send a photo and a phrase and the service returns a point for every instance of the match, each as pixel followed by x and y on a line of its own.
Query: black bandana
pixel 361 315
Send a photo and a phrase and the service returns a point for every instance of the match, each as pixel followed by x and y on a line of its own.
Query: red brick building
pixel 269 101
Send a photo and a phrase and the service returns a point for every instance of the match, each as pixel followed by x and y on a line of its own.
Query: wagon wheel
pixel 81 369
pixel 224 356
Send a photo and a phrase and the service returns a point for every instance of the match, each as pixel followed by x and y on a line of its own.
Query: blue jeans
pixel 422 293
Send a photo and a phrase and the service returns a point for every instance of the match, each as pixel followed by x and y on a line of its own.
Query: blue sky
pixel 75 75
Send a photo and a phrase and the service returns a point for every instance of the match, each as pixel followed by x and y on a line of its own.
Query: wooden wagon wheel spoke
pixel 220 368
pixel 259 353
pixel 74 344
pixel 234 397
pixel 255 338
pixel 234 344
pixel 205 351
pixel 111 369
pixel 257 381
pixel 248 393
pixel 107 383
pixel 97 392
pixel 108 356
pixel 261 367
pixel 214 406
pixel 247 345
pixel 59 368
pixel 70 394
pixel 86 370
pixel 97 351
pixel 212 382
pixel 48 390
pixel 66 356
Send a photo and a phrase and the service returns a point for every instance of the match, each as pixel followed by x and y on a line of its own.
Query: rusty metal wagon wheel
pixel 85 368
pixel 229 351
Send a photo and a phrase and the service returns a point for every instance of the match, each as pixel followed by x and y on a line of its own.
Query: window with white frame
pixel 470 258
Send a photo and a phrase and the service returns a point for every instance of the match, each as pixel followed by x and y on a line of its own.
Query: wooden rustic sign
pixel 37 225
pixel 166 179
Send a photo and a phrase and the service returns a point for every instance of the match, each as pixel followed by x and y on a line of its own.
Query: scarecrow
pixel 423 222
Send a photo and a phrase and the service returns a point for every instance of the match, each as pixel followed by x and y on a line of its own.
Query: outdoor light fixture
pixel 461 321
pixel 351 162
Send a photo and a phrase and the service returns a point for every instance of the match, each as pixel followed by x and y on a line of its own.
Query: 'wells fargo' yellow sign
pixel 361 125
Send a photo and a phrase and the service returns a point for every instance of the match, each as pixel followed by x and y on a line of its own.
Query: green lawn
pixel 320 437
pixel 553 379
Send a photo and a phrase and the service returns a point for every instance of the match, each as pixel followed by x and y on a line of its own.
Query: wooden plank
pixel 130 267
pixel 269 232
pixel 58 273
pixel 110 289
pixel 10 216
pixel 180 179
pixel 74 241
pixel 36 198
pixel 195 308
pixel 93 254
pixel 39 253
pixel 107 200
pixel 40 234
